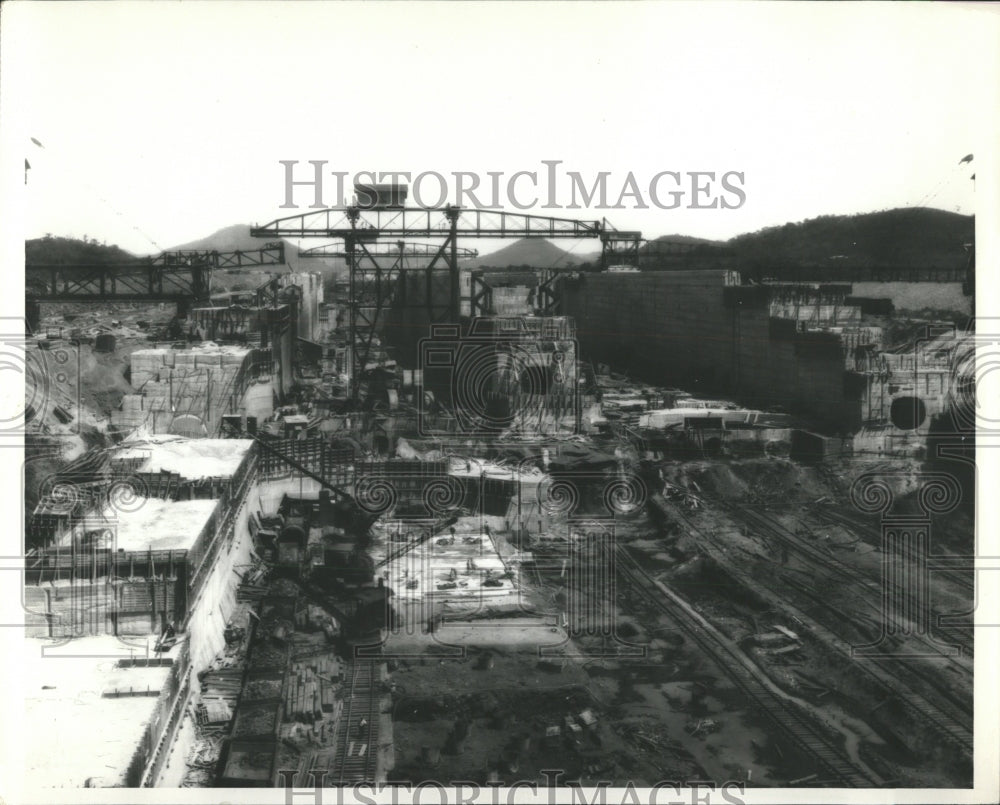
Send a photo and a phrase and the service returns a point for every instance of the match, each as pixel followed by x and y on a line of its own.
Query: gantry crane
pixel 375 272
pixel 181 277
pixel 400 252
pixel 357 227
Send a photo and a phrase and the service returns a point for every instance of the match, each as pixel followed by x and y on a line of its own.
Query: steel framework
pixel 373 224
pixel 358 227
pixel 620 248
pixel 170 275
pixel 374 284
pixel 177 276
pixel 400 252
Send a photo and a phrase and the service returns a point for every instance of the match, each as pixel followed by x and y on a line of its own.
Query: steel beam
pixel 359 227
pixel 340 222
pixel 387 250
pixel 169 276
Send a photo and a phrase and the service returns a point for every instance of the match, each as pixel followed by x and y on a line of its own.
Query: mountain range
pixel 917 237
pixel 237 238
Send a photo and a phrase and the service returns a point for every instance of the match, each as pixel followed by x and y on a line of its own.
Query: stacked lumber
pixel 311 688
pixel 219 691
pixel 302 697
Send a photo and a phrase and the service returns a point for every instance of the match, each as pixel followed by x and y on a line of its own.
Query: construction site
pixel 664 518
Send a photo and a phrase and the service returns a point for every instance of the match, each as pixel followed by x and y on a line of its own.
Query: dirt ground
pixel 671 713
pixel 747 584
pixel 652 706
pixel 87 384
pixel 504 710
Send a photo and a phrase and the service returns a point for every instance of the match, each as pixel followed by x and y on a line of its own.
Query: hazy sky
pixel 162 122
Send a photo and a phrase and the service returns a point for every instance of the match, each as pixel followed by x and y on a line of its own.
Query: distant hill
pixel 690 239
pixel 237 238
pixel 70 251
pixel 917 237
pixel 914 237
pixel 535 252
pixel 227 239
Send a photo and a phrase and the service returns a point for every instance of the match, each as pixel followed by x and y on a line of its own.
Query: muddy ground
pixel 670 712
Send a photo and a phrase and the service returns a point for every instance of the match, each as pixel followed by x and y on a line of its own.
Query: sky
pixel 160 123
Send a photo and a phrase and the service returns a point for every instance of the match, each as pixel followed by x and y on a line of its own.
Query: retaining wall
pixel 678 328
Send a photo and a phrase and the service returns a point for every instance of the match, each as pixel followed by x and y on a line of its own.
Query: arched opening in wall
pixel 908 413
pixel 188 425
pixel 380 444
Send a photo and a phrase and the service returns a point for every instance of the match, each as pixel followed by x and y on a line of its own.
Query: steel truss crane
pixel 375 284
pixel 548 300
pixel 355 225
pixel 399 251
pixel 182 277
pixel 358 226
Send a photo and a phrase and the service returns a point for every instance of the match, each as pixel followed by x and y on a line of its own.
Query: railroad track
pixel 829 758
pixel 949 717
pixel 863 529
pixel 357 746
pixel 773 528
pixel 964 633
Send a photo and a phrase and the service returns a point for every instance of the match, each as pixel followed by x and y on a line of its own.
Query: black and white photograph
pixel 500 402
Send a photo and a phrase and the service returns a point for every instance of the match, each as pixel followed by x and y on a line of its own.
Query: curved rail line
pixel 829 758
pixel 862 529
pixel 949 717
pixel 774 528
pixel 964 633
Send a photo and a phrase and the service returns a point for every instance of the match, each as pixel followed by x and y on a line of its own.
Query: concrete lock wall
pixel 674 328
pixel 311 285
pixel 669 324
pixel 172 383
pixel 801 373
pixel 216 600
